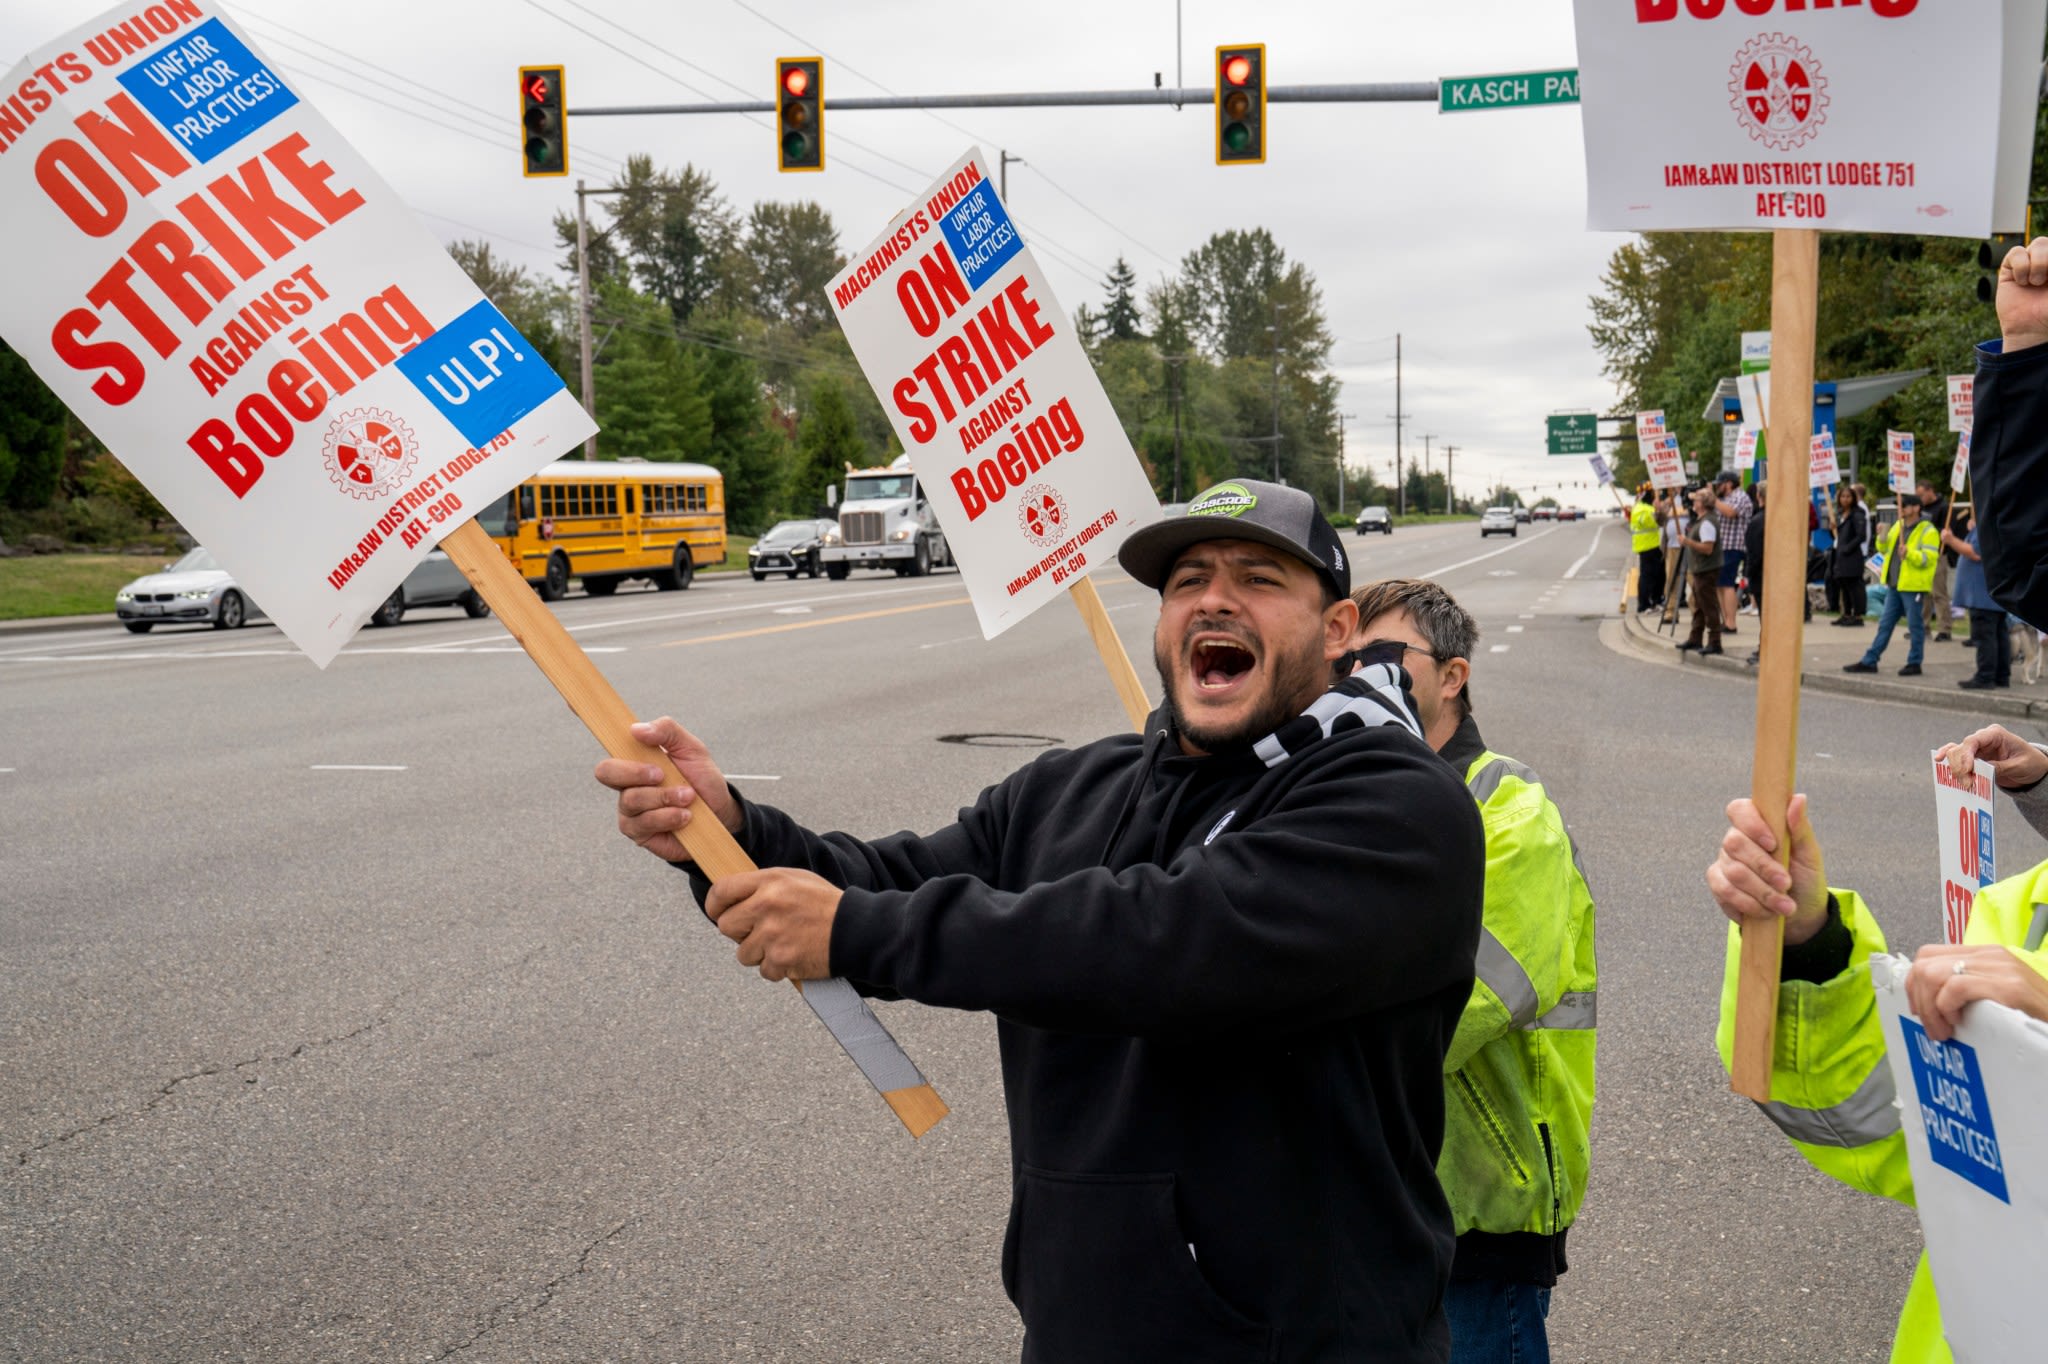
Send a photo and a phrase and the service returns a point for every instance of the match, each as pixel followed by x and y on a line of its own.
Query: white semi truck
pixel 885 521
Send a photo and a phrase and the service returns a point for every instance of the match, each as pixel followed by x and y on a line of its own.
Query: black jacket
pixel 2008 470
pixel 1846 559
pixel 1224 993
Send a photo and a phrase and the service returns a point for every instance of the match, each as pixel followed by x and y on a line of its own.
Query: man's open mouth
pixel 1217 663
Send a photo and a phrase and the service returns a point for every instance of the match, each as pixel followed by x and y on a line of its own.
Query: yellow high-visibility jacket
pixel 1831 1086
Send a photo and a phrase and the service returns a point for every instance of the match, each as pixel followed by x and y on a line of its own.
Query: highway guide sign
pixel 214 281
pixel 1966 1104
pixel 984 379
pixel 1778 113
pixel 1572 433
pixel 1514 90
pixel 1963 829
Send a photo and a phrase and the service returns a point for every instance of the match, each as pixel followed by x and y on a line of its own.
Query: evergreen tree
pixel 828 439
pixel 1120 320
pixel 32 426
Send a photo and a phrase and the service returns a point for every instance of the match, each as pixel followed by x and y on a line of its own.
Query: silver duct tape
pixel 849 1019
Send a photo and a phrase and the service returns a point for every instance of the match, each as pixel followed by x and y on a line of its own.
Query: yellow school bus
pixel 605 521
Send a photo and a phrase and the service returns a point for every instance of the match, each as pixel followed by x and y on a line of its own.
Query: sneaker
pixel 1846 620
pixel 1730 630
pixel 1754 654
pixel 1711 649
pixel 1976 684
pixel 1859 666
pixel 1910 670
pixel 1749 610
pixel 1942 638
pixel 1685 645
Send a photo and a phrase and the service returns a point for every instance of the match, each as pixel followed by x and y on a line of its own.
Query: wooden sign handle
pixel 605 713
pixel 1795 293
pixel 1122 675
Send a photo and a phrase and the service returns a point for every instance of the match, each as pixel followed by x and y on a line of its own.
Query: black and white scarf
pixel 1375 694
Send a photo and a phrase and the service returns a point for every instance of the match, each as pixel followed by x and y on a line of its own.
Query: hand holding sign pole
pixel 296 370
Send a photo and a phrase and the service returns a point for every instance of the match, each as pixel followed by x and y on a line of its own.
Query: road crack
pixel 508 1313
pixel 170 1087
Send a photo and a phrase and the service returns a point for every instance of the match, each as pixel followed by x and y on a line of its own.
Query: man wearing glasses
pixel 1518 1080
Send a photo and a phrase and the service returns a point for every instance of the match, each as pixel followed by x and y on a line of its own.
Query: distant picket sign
pixel 1713 116
pixel 1964 834
pixel 1959 472
pixel 214 281
pixel 1899 460
pixel 986 384
pixel 1822 471
pixel 1962 404
pixel 1745 450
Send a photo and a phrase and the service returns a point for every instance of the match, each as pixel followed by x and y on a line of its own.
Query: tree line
pixel 714 341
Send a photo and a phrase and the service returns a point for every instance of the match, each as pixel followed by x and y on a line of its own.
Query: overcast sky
pixel 1464 233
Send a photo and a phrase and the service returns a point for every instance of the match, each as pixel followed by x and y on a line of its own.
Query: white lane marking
pixel 1499 649
pixel 356 767
pixel 750 776
pixel 1515 629
pixel 792 610
pixel 1591 550
pixel 9 769
pixel 964 639
pixel 1526 615
pixel 1508 548
pixel 1502 573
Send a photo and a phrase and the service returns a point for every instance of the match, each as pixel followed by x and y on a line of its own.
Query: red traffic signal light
pixel 543 132
pixel 799 113
pixel 1241 104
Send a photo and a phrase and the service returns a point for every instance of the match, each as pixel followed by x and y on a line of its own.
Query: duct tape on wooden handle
pixel 880 1058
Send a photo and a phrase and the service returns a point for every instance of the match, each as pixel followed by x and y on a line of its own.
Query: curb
pixel 1644 639
pixel 37 624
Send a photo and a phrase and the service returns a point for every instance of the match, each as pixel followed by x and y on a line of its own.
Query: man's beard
pixel 1297 679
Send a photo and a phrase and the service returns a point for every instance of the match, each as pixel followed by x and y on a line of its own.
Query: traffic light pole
pixel 1372 92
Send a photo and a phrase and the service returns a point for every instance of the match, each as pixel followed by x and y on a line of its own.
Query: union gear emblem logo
pixel 368 452
pixel 1043 514
pixel 1777 91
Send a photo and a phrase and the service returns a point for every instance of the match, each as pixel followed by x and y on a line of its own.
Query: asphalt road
pixel 338 1023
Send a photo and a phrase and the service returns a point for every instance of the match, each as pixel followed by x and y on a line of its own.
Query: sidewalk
pixel 1826 648
pixel 105 620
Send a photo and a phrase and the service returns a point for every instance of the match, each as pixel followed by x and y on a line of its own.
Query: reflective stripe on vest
pixel 1502 974
pixel 2037 931
pixel 1870 1114
pixel 1495 965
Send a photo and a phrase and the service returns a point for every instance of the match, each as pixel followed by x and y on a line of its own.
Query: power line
pixel 1092 213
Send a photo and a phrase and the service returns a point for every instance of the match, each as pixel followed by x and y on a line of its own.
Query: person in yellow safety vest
pixel 1648 545
pixel 1519 1074
pixel 1833 1092
pixel 1908 572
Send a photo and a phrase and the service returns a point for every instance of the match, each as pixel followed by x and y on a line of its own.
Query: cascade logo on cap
pixel 1225 499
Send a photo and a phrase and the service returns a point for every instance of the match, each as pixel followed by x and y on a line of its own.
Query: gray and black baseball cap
pixel 1242 509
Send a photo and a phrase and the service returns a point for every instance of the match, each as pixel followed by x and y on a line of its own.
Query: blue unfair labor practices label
pixel 1954 1109
pixel 480 373
pixel 979 230
pixel 208 90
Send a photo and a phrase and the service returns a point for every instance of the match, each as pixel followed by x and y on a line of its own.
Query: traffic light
pixel 799 114
pixel 1991 255
pixel 544 133
pixel 1241 105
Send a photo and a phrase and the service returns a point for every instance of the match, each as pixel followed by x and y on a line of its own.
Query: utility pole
pixel 1341 468
pixel 1450 493
pixel 1425 473
pixel 1275 329
pixel 583 303
pixel 1176 361
pixel 1400 488
pixel 1003 175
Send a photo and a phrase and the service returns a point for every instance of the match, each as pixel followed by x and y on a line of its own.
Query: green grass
pixel 1432 518
pixel 735 555
pixel 68 584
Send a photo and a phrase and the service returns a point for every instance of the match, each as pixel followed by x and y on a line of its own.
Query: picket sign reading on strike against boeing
pixel 1962 404
pixel 1851 117
pixel 1959 472
pixel 215 282
pixel 984 379
pixel 1745 450
pixel 1898 446
pixel 1820 468
pixel 1973 1109
pixel 1969 861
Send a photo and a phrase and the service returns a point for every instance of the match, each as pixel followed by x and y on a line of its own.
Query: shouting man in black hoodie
pixel 1226 958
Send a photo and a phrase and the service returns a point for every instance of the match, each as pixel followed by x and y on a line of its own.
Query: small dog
pixel 2026 650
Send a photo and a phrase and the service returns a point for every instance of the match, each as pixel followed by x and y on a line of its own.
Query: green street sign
pixel 1514 90
pixel 1575 433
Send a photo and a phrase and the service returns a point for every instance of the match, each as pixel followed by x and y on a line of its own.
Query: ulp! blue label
pixel 208 90
pixel 1955 1109
pixel 480 373
pixel 979 230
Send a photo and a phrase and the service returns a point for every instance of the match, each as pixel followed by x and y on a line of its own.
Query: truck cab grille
pixel 861 527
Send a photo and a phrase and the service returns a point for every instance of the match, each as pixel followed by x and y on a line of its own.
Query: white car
pixel 1494 519
pixel 196 590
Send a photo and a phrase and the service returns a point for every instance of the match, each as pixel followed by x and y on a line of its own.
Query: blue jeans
pixel 1896 605
pixel 1497 1323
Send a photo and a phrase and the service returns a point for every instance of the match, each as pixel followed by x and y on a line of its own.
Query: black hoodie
pixel 1224 990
